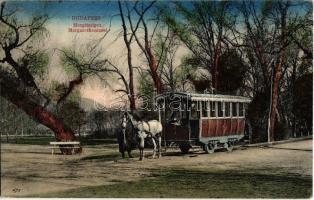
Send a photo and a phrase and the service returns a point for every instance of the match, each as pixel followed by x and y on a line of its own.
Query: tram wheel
pixel 209 148
pixel 228 146
pixel 184 147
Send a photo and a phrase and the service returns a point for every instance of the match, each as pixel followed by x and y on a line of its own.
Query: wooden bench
pixel 56 145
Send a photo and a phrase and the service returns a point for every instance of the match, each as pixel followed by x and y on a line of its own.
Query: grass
pixel 33 140
pixel 44 140
pixel 190 183
pixel 179 183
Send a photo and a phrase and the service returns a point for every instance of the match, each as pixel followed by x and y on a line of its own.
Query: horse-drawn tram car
pixel 209 120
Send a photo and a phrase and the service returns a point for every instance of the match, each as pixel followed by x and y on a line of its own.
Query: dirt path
pixel 30 169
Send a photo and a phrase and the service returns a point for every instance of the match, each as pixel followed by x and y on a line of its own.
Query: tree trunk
pixel 10 91
pixel 215 70
pixel 130 66
pixel 214 73
pixel 277 74
pixel 153 69
pixel 275 96
pixel 131 81
pixel 171 81
pixel 293 77
pixel 74 83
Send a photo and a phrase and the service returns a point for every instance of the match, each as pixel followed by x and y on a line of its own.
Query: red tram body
pixel 210 120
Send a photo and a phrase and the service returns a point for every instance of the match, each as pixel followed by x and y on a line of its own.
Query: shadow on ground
pixel 178 183
pixel 104 157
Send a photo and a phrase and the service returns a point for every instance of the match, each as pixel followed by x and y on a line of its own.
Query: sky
pixel 63 10
pixel 61 19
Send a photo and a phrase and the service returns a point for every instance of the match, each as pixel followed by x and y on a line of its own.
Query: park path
pixel 31 169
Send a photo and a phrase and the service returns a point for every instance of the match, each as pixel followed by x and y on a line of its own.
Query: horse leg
pixel 154 150
pixel 129 153
pixel 141 154
pixel 122 149
pixel 159 146
pixel 141 145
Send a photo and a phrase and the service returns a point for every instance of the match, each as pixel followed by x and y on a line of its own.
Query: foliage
pixel 165 48
pixel 203 28
pixel 193 71
pixel 108 123
pixel 36 62
pixel 258 115
pixel 73 115
pixel 305 67
pixel 15 122
pixel 21 89
pixel 274 38
pixel 303 99
pixel 99 118
pixel 146 90
pixel 232 70
pixel 85 60
pixel 242 42
pixel 188 64
pixel 71 61
pixel 57 89
pixel 31 140
pixel 32 26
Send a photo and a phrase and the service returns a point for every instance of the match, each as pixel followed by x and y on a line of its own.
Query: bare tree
pixel 16 80
pixel 203 28
pixel 83 62
pixel 146 42
pixel 128 40
pixel 270 29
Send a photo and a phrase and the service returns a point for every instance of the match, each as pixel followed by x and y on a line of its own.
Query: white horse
pixel 150 129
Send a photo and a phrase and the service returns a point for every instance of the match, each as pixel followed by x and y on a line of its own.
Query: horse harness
pixel 148 132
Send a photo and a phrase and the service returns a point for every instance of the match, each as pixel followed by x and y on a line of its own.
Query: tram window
pixel 195 114
pixel 163 115
pixel 241 113
pixel 198 106
pixel 220 111
pixel 234 109
pixel 212 109
pixel 168 114
pixel 175 115
pixel 227 109
pixel 161 104
pixel 204 109
pixel 183 114
pixel 183 110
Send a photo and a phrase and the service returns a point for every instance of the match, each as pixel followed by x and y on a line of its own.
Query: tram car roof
pixel 205 97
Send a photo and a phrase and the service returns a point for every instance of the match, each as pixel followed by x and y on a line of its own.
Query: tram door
pixel 177 121
pixel 194 119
